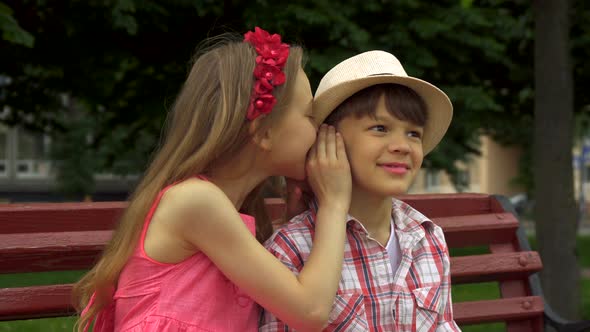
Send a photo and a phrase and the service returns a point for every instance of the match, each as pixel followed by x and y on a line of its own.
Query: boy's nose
pixel 399 145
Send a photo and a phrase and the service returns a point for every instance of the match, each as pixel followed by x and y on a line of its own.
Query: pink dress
pixel 192 295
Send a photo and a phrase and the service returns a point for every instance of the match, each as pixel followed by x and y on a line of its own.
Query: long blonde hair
pixel 206 123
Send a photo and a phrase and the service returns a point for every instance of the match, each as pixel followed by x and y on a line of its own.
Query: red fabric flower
pixel 268 73
pixel 273 74
pixel 263 104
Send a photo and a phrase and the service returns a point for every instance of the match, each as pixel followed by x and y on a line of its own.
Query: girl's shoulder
pixel 196 203
pixel 194 195
pixel 199 213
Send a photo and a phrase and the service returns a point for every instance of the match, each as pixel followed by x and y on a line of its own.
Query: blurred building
pixel 26 174
pixel 493 172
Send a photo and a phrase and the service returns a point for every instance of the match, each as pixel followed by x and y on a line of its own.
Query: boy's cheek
pixel 347 148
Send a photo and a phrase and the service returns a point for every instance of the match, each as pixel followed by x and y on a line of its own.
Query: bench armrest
pixel 552 318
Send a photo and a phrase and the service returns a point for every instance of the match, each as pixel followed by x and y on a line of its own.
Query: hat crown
pixel 372 63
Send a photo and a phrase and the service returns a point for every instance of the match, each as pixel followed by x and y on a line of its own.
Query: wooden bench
pixel 69 236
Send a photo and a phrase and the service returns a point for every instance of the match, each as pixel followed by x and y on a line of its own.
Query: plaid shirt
pixel 370 297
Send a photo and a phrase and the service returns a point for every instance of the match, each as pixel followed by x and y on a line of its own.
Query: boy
pixel 396 274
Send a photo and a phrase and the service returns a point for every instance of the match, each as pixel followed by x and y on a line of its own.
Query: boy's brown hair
pixel 400 101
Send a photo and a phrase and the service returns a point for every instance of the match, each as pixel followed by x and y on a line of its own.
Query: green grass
pixel 39 278
pixel 36 325
pixel 491 327
pixel 583 246
pixel 469 251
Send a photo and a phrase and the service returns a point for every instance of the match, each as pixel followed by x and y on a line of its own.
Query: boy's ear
pixel 260 135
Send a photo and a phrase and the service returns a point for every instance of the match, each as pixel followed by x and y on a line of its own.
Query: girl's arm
pixel 208 221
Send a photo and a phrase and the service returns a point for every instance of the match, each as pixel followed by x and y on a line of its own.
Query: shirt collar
pixel 406 218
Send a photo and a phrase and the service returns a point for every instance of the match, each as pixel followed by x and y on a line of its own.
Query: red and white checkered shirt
pixel 370 297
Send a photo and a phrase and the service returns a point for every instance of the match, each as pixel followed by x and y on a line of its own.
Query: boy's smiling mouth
pixel 395 168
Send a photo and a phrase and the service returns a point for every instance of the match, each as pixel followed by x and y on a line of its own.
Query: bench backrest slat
pixel 478 229
pixel 494 267
pixel 71 217
pixel 448 205
pixel 35 302
pixel 59 217
pixel 39 252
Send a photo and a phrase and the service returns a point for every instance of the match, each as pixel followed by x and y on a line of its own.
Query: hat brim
pixel 439 107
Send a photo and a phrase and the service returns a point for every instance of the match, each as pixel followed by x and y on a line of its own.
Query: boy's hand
pixel 328 171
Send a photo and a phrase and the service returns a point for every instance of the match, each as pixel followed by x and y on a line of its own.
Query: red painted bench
pixel 69 236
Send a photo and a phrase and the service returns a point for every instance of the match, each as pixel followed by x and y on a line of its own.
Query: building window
pixel 32 160
pixel 432 179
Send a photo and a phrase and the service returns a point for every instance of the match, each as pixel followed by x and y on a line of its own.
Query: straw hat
pixel 377 67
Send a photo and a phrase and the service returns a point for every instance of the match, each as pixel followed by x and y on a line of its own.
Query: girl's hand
pixel 328 170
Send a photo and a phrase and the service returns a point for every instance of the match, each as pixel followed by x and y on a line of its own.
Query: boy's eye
pixel 379 128
pixel 415 133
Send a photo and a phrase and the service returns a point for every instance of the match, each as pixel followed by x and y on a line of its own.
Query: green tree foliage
pixel 11 31
pixel 124 61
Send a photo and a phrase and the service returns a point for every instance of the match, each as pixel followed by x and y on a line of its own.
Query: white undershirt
pixel 393 249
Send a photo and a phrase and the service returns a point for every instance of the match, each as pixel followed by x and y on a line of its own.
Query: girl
pixel 185 255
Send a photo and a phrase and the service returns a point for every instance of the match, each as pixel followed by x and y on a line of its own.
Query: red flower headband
pixel 272 56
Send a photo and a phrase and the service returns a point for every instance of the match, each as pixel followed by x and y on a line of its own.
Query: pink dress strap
pixel 150 214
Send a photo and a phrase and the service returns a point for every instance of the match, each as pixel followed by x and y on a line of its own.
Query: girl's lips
pixel 396 168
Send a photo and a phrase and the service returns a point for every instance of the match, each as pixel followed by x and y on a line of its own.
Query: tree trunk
pixel 555 208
